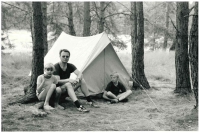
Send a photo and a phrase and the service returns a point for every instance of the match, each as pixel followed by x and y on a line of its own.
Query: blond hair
pixel 114 74
pixel 49 65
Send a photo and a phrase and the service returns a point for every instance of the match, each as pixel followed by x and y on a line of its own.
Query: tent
pixel 94 56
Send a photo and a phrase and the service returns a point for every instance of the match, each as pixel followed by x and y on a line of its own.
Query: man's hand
pixel 73 82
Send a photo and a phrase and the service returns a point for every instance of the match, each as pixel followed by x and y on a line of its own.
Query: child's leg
pixel 48 96
pixel 124 95
pixel 111 95
pixel 49 93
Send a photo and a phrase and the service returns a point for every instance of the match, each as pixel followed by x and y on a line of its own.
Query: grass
pixel 158 65
pixel 15 69
pixel 174 113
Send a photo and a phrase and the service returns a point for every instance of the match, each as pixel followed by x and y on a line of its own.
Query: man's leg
pixel 124 95
pixel 57 97
pixel 85 91
pixel 84 87
pixel 70 90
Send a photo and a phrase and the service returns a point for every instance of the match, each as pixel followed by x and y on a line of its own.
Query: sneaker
pixel 93 105
pixel 82 109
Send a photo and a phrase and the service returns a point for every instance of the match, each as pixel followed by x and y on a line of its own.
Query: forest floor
pixel 173 112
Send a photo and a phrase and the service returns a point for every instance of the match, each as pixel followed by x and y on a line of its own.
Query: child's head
pixel 114 77
pixel 49 69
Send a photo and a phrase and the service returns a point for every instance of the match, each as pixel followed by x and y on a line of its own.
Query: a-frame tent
pixel 94 56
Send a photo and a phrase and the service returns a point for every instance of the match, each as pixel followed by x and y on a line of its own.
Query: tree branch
pixel 126 7
pixel 115 14
pixel 173 24
pixel 154 7
pixel 17 7
pixel 106 6
pixel 160 27
pixel 96 9
pixel 191 9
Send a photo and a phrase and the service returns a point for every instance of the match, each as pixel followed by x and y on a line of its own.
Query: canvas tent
pixel 94 56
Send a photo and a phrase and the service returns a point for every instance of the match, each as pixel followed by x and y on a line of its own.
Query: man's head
pixel 49 69
pixel 114 77
pixel 64 55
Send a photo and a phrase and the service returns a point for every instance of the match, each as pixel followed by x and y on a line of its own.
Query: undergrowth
pixel 158 65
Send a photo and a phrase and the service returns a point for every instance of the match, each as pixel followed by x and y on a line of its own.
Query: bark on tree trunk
pixel 183 85
pixel 173 43
pixel 87 19
pixel 38 52
pixel 102 19
pixel 70 20
pixel 193 52
pixel 154 37
pixel 44 13
pixel 138 45
pixel 166 26
pixel 3 18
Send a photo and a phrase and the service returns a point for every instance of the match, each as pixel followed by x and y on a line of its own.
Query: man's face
pixel 64 57
pixel 114 79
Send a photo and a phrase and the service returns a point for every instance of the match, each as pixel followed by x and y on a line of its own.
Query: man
pixel 112 91
pixel 63 70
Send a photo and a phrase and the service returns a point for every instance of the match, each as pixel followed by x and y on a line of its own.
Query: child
pixel 112 91
pixel 46 84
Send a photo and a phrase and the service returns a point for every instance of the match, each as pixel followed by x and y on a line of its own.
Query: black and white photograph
pixel 99 66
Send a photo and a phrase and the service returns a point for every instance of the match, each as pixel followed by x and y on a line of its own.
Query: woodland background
pixel 163 56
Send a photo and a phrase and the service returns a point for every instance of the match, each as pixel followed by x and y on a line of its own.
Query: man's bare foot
pixel 59 107
pixel 47 107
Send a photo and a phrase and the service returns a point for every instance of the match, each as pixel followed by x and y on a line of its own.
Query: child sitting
pixel 46 84
pixel 112 91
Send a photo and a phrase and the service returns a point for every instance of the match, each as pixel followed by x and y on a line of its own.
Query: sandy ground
pixel 174 113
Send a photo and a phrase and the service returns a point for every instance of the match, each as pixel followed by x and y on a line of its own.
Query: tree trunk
pixel 193 52
pixel 183 85
pixel 87 19
pixel 166 26
pixel 44 13
pixel 133 17
pixel 138 44
pixel 3 18
pixel 38 52
pixel 102 19
pixel 154 37
pixel 173 43
pixel 70 20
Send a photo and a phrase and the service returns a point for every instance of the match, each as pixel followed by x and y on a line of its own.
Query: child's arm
pixel 123 89
pixel 40 83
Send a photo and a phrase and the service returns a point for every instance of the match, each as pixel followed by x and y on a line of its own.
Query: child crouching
pixel 46 84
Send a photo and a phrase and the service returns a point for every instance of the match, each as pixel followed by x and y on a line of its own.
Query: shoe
pixel 83 109
pixel 124 100
pixel 93 105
